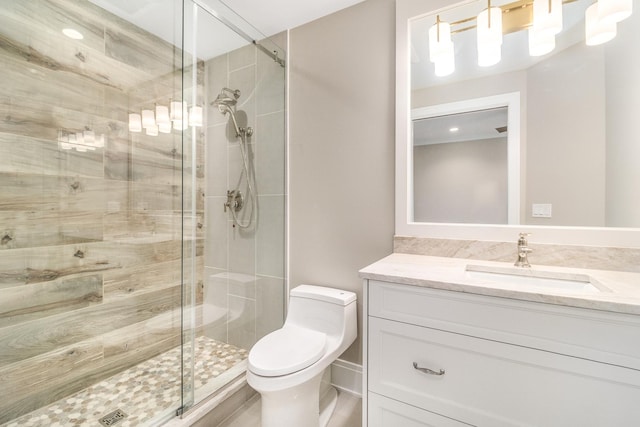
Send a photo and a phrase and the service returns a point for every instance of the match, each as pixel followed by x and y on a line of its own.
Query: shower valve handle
pixel 234 201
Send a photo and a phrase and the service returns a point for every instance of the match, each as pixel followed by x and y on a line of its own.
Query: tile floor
pixel 348 413
pixel 141 392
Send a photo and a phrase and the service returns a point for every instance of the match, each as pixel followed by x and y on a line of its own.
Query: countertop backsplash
pixel 590 257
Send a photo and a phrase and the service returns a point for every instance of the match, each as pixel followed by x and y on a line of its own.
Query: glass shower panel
pixel 90 212
pixel 238 191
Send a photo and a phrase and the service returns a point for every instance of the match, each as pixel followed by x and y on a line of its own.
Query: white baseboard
pixel 347 376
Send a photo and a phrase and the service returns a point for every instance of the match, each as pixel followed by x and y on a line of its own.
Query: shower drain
pixel 113 418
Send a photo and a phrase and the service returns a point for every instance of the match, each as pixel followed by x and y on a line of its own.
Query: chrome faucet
pixel 523 251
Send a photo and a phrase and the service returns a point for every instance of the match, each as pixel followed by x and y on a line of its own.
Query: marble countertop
pixel 617 291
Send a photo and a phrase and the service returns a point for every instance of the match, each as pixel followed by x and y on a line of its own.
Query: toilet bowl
pixel 286 366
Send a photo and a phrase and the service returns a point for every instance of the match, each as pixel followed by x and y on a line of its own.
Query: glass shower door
pixel 234 205
pixel 90 212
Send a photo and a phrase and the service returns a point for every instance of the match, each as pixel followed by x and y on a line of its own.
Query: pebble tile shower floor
pixel 140 392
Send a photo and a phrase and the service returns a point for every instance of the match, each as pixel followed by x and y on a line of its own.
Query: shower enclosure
pixel 142 224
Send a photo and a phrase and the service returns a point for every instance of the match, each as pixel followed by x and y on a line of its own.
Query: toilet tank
pixel 323 309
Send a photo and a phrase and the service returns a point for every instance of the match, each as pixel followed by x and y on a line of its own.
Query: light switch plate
pixel 541 210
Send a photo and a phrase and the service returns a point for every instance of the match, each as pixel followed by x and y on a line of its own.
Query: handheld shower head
pixel 225 102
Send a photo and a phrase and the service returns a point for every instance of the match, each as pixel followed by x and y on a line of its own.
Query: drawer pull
pixel 427 370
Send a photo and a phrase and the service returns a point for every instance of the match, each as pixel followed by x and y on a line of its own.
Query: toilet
pixel 286 366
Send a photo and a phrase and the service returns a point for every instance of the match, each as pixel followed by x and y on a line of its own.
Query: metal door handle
pixel 427 370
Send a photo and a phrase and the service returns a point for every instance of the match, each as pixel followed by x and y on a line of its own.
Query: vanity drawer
pixel 488 383
pixel 385 412
pixel 591 334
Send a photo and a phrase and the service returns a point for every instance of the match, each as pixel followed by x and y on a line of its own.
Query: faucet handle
pixel 523 234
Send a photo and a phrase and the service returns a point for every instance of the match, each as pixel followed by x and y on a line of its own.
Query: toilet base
pixel 328 405
pixel 299 406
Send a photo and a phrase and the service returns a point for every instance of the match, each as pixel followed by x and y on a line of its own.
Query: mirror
pixel 466 158
pixel 579 133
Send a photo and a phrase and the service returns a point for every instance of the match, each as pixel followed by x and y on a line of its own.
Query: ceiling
pixel 257 18
pixel 274 16
pixel 468 126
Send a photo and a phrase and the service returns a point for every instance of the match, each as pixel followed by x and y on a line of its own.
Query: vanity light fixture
pixel 541 18
pixel 164 127
pixel 541 43
pixel 162 115
pixel 195 116
pixel 135 122
pixel 454 129
pixel 596 30
pixel 547 16
pixel 489 35
pixel 162 118
pixel 148 119
pixel 81 141
pixel 614 11
pixel 151 130
pixel 441 51
pixel 177 107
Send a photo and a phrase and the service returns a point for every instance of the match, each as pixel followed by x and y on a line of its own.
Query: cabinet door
pixel 488 383
pixel 384 412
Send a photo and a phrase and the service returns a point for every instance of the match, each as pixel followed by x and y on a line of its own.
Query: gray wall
pixel 566 141
pixel 341 140
pixel 244 283
pixel 463 182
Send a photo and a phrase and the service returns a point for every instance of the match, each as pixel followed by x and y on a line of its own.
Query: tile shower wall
pixel 244 282
pixel 89 241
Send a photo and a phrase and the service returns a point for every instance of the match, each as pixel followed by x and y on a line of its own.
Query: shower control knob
pixel 234 201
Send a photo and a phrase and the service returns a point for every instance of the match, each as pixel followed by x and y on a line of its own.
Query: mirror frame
pixel 585 236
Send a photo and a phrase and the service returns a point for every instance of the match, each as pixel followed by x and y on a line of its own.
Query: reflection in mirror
pixel 579 134
pixel 460 167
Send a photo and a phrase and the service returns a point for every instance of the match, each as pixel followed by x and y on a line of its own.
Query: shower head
pixel 227 97
pixel 224 100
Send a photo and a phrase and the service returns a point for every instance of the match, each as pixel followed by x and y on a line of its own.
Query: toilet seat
pixel 286 350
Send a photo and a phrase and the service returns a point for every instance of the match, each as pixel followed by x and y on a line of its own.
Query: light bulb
pixel 541 43
pixel 148 119
pixel 489 36
pixel 596 31
pixel 439 40
pixel 162 114
pixel 547 16
pixel 445 63
pixel 180 124
pixel 613 11
pixel 177 108
pixel 195 116
pixel 135 123
pixel 89 137
pixel 489 55
pixel 152 130
pixel 164 127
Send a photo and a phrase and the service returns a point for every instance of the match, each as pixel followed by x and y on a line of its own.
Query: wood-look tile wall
pixel 90 242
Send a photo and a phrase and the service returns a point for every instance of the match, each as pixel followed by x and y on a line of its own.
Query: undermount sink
pixel 553 280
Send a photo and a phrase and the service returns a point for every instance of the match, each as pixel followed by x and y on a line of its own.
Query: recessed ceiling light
pixel 453 129
pixel 72 34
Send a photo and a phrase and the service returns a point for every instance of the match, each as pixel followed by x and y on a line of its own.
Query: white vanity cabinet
pixel 443 358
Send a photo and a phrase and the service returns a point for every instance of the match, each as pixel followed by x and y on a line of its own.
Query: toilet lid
pixel 286 350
